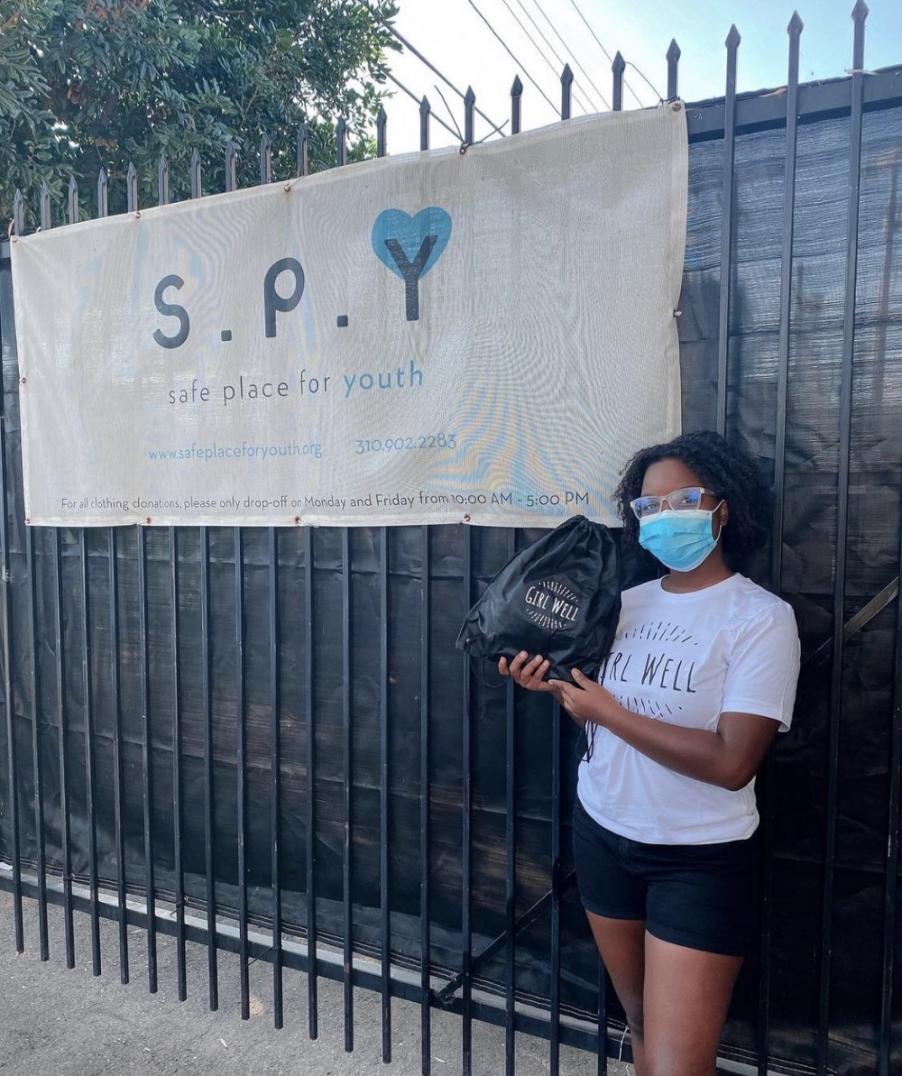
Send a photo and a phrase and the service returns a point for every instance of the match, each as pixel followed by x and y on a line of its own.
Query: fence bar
pixel 63 753
pixel 555 998
pixel 341 142
pixel 87 685
pixel 365 979
pixel 794 30
pixel 516 102
pixel 384 742
pixel 13 768
pixel 241 767
pixel 347 743
pixel 210 864
pixel 510 840
pixel 384 790
pixel 181 955
pixel 275 778
pixel 265 159
pixel 45 210
pixel 469 117
pixel 466 835
pixel 602 1020
pixel 72 201
pixel 231 167
pixel 425 682
pixel 892 858
pixel 118 801
pixel 726 227
pixel 310 760
pixel 36 749
pixel 131 188
pixel 859 14
pixel 425 111
pixel 673 65
pixel 425 955
pixel 618 67
pixel 196 176
pixel 303 161
pixel 163 182
pixel 566 91
pixel 381 123
pixel 147 766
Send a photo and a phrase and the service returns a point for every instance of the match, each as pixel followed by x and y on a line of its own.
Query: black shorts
pixel 704 896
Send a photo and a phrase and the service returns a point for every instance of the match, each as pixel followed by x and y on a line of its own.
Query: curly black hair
pixel 727 470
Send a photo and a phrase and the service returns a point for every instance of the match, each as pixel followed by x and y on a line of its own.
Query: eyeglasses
pixel 680 500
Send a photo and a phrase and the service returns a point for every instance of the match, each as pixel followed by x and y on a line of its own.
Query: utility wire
pixel 564 44
pixel 584 103
pixel 513 57
pixel 603 49
pixel 418 100
pixel 652 87
pixel 416 52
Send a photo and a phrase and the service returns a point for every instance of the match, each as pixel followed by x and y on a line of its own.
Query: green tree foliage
pixel 86 84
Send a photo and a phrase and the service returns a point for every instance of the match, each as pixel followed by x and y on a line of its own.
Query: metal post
pixel 37 764
pixel 466 820
pixel 510 840
pixel 766 792
pixel 726 228
pixel 566 91
pixel 347 740
pixel 859 15
pixel 384 795
pixel 63 752
pixel 673 61
pixel 181 955
pixel 147 767
pixel 275 778
pixel 310 799
pixel 425 681
pixel 88 696
pixel 618 67
pixel 241 773
pixel 7 644
pixel 516 101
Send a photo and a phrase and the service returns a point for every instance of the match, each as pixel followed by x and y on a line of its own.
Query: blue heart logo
pixel 410 233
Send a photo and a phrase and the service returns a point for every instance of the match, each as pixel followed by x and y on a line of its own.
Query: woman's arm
pixel 729 757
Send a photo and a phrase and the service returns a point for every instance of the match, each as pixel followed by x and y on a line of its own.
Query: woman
pixel 701 676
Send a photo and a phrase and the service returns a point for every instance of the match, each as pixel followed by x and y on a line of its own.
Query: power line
pixel 410 93
pixel 564 44
pixel 603 49
pixel 419 55
pixel 651 86
pixel 513 57
pixel 557 71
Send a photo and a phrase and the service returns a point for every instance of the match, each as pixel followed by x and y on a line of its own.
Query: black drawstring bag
pixel 560 598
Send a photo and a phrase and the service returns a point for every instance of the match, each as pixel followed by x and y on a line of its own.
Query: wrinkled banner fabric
pixel 441 337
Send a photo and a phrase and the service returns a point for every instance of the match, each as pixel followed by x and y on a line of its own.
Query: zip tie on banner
pixel 622 1037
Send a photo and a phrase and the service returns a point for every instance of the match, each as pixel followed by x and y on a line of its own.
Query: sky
pixel 451 34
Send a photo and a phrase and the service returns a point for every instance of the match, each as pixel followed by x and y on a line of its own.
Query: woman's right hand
pixel 526 671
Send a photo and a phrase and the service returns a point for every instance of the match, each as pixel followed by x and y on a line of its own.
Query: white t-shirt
pixel 685 659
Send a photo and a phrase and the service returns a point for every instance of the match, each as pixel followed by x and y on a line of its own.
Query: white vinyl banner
pixel 480 337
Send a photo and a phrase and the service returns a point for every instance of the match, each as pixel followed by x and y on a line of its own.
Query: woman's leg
pixel 621 943
pixel 687 994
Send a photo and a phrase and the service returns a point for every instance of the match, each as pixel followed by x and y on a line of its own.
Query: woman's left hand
pixel 584 698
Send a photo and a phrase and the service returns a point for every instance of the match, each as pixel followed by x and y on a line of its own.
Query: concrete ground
pixel 71 1024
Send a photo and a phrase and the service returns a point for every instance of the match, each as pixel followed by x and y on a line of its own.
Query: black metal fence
pixel 262 740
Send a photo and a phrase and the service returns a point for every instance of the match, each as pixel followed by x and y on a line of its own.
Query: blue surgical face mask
pixel 680 540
